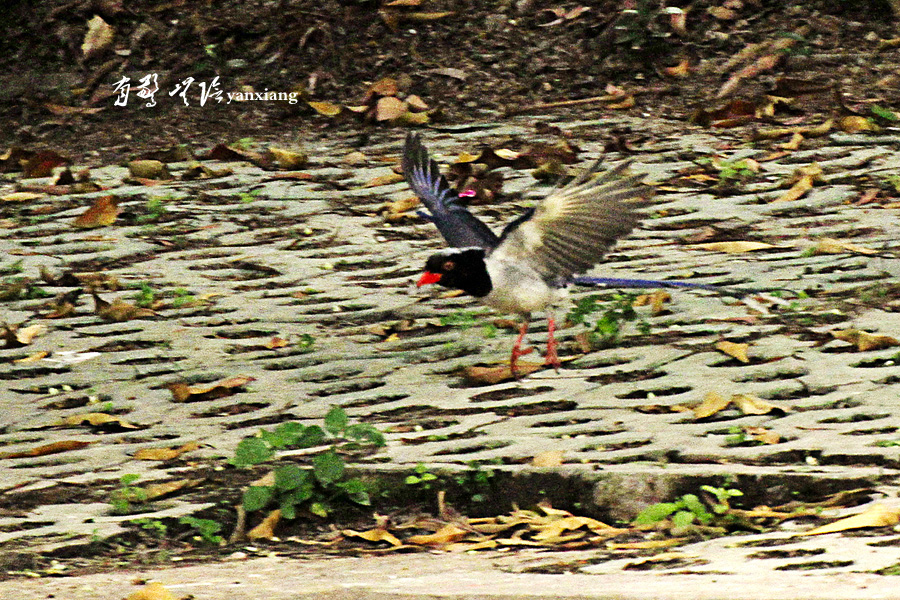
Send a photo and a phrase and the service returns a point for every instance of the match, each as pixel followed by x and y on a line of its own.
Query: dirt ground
pixel 465 60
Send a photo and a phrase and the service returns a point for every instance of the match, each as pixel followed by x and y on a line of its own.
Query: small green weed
pixel 606 329
pixel 124 498
pixel 422 478
pixel 317 488
pixel 690 509
pixel 146 296
pixel 207 528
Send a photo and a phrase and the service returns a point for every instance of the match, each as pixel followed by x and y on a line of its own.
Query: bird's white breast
pixel 518 289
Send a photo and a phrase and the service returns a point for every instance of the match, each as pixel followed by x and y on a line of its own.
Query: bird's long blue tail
pixel 654 283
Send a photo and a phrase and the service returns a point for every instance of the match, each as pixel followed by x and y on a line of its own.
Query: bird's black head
pixel 461 269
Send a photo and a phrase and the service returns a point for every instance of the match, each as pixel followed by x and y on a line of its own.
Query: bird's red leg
pixel 552 359
pixel 517 350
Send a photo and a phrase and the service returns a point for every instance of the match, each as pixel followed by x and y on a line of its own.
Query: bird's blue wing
pixel 459 227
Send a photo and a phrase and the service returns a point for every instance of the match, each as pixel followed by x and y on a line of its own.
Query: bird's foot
pixel 514 359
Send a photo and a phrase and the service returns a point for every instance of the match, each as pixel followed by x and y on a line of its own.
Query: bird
pixel 530 265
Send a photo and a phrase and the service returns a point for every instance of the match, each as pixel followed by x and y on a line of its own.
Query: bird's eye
pixel 449 265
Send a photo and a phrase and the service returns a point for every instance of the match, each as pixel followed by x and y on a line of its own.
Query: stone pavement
pixel 298 258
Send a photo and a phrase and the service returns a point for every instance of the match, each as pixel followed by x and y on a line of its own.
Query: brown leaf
pixel 491 375
pixel 383 87
pixel 158 490
pixel 833 246
pixel 733 247
pixel 734 350
pixel 118 310
pixel 445 535
pixel 388 179
pixel 149 169
pixel 761 434
pixel 152 591
pixel 712 404
pixel 97 420
pixel 657 300
pixel 182 392
pixel 374 535
pixel 550 458
pixel 856 123
pixel 555 528
pixel 98 38
pixel 389 108
pixel 326 109
pixel 266 529
pixel 16 336
pixel 863 340
pixel 878 515
pixel 751 405
pixel 102 213
pixel 164 454
pixel 43 163
pixel 288 160
pixel 54 448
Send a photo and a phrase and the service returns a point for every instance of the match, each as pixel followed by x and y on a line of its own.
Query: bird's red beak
pixel 428 277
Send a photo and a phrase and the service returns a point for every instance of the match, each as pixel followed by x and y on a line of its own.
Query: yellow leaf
pixel 833 246
pixel 712 404
pixel 21 197
pixel 445 535
pixel 738 351
pixel 389 108
pixel 555 528
pixel 863 340
pixel 797 190
pixel 165 453
pixel 733 247
pixel 103 212
pixel 751 405
pixel 374 535
pixel 157 490
pixel 266 529
pixel 288 160
pixel 878 515
pixel 388 179
pixel 856 123
pixel 54 448
pixel 98 38
pixel 96 420
pixel 551 458
pixel 149 169
pixel 151 591
pixel 327 109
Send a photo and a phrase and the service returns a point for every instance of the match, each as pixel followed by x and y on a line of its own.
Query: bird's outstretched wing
pixel 458 226
pixel 572 228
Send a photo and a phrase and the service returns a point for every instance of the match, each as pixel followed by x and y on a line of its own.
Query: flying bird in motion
pixel 528 267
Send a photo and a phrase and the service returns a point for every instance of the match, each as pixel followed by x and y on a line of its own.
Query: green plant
pixel 421 477
pixel 476 481
pixel 146 296
pixel 207 528
pixel 461 318
pixel 182 297
pixel 154 526
pixel 690 509
pixel 124 498
pixel 248 197
pixel 605 331
pixel 316 488
pixel 738 437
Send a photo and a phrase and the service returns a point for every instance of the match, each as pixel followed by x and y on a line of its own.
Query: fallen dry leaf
pixel 149 169
pixel 492 375
pixel 158 490
pixel 863 340
pixel 879 515
pixel 98 38
pixel 15 336
pixel 54 448
pixel 288 160
pixel 445 535
pixel 96 420
pixel 550 458
pixel 374 535
pixel 118 310
pixel 326 109
pixel 833 246
pixel 183 392
pixel 266 529
pixel 733 247
pixel 712 404
pixel 751 405
pixel 734 350
pixel 102 212
pixel 164 454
